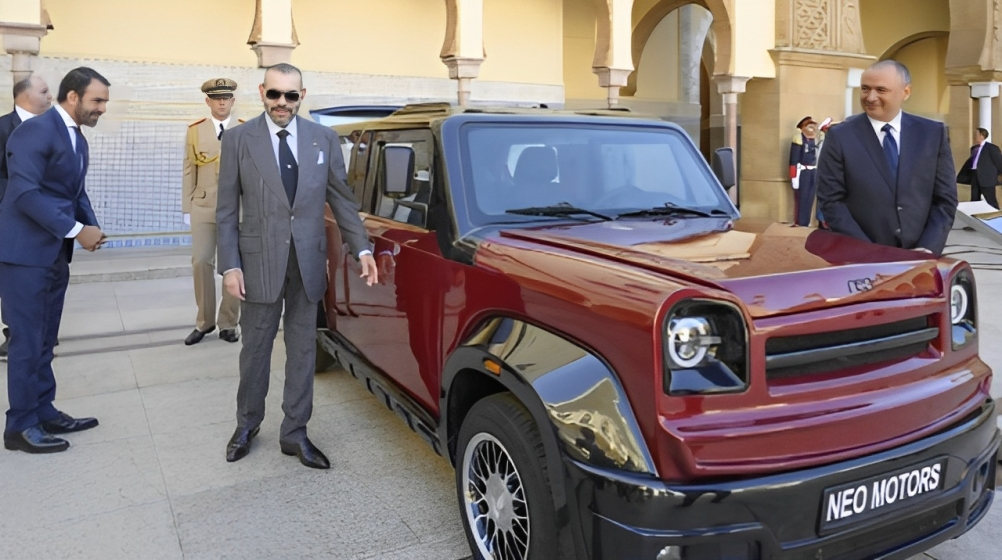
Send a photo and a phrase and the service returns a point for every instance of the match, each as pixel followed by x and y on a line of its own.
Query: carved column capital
pixel 826 25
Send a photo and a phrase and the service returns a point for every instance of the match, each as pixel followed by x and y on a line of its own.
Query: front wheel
pixel 503 484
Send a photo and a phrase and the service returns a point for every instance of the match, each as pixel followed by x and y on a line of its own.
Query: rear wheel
pixel 503 485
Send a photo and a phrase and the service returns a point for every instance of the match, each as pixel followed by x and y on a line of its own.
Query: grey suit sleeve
pixel 832 190
pixel 228 203
pixel 944 200
pixel 342 202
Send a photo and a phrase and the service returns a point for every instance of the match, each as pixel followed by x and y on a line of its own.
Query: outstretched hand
pixel 369 270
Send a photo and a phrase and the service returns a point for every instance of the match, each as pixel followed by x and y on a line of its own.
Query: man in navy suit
pixel 43 210
pixel 981 170
pixel 887 176
pixel 31 98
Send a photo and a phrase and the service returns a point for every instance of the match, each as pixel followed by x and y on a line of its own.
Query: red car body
pixel 852 366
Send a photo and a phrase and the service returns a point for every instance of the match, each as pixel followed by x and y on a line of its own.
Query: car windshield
pixel 610 170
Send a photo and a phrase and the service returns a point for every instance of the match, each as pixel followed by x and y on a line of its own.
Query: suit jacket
pixel 45 195
pixel 989 167
pixel 201 170
pixel 250 182
pixel 8 123
pixel 857 196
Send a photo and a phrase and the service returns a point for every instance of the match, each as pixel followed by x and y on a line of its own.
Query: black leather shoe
pixel 196 336
pixel 308 453
pixel 64 424
pixel 239 445
pixel 34 440
pixel 229 335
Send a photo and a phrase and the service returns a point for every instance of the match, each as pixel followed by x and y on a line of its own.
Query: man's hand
pixel 369 270
pixel 90 238
pixel 233 283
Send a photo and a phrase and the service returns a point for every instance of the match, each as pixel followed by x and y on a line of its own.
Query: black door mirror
pixel 723 166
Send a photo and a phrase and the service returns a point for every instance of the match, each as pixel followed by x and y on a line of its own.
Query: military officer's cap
pixel 219 87
pixel 805 121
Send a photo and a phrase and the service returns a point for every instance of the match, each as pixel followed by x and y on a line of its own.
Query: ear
pixel 302 94
pixel 208 101
pixel 72 97
pixel 908 92
pixel 260 89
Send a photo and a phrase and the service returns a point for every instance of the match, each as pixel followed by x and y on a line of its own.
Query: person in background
pixel 981 170
pixel 31 98
pixel 803 165
pixel 198 203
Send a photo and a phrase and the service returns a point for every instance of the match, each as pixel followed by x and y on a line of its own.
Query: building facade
pixel 735 73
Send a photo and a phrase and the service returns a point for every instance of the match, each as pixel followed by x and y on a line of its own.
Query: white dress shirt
pixel 292 138
pixel 895 129
pixel 24 113
pixel 225 124
pixel 70 125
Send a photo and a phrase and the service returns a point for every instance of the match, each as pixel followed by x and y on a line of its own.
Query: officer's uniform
pixel 198 198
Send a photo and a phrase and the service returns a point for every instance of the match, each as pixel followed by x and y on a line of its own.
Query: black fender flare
pixel 573 395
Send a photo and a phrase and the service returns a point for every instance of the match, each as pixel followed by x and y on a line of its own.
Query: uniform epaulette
pixel 196 123
pixel 798 138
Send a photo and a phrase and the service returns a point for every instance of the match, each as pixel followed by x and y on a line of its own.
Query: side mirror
pixel 723 166
pixel 399 165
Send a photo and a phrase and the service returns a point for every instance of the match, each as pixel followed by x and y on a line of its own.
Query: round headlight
pixel 958 303
pixel 689 339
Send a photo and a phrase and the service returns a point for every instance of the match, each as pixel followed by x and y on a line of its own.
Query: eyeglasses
pixel 290 96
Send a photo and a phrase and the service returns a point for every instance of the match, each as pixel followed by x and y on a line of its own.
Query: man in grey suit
pixel 277 170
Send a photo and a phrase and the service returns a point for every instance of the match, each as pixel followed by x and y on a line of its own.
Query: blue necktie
pixel 287 165
pixel 891 151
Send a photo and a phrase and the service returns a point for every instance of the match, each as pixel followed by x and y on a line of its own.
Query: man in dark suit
pixel 277 170
pixel 31 98
pixel 44 209
pixel 887 176
pixel 981 170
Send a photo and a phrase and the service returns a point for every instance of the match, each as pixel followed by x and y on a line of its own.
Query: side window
pixel 404 176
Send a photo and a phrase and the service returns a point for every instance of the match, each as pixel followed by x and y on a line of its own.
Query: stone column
pixel 853 80
pixel 22 24
pixel 984 92
pixel 613 60
pixel 463 49
pixel 729 87
pixel 273 36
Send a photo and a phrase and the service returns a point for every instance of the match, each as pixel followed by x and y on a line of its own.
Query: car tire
pixel 503 485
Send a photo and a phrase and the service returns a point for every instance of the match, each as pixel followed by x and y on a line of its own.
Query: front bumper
pixel 636 517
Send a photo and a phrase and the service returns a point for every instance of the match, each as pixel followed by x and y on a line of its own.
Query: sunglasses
pixel 290 96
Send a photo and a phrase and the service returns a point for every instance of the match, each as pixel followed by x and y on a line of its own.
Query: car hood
pixel 774 269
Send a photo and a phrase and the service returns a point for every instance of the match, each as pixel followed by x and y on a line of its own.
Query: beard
pixel 282 115
pixel 85 117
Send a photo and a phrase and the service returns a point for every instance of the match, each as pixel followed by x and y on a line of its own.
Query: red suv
pixel 570 311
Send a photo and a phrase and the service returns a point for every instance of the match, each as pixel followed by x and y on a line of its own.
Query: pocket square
pixel 320 158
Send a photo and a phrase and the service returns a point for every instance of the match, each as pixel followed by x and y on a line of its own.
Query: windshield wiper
pixel 670 209
pixel 562 209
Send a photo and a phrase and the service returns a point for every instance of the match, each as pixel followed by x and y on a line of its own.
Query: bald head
pixel 32 94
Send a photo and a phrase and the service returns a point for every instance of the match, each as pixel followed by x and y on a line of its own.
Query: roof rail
pixel 437 108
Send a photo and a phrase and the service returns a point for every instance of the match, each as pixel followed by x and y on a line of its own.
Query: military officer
pixel 198 203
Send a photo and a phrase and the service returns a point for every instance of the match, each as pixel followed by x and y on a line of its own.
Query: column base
pixel 270 54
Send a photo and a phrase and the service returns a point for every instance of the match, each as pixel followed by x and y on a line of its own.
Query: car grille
pixel 793 356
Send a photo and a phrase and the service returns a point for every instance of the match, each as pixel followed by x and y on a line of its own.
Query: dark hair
pixel 77 80
pixel 906 76
pixel 983 133
pixel 285 68
pixel 22 86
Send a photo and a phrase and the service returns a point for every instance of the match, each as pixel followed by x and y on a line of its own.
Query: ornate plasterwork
pixel 827 25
